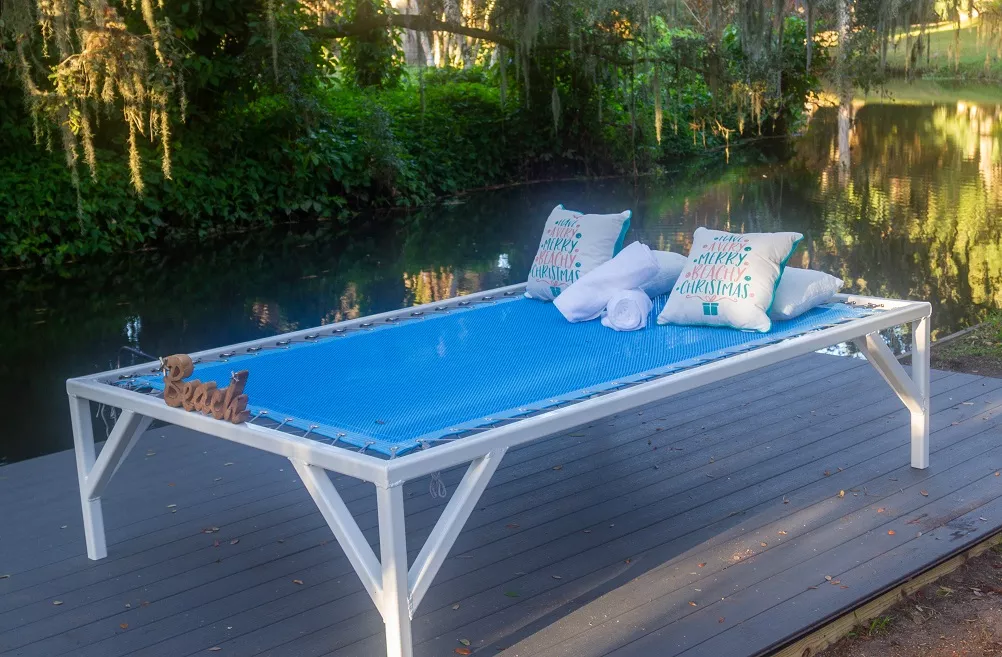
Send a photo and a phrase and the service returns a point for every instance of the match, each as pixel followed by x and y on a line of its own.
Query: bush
pixel 265 163
pixel 254 156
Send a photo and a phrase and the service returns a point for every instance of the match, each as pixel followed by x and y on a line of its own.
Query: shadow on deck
pixel 708 524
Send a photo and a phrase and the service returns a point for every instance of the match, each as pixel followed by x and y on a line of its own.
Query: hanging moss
pixel 97 66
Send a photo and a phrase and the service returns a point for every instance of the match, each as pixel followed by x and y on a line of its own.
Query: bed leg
pixel 83 447
pixel 393 557
pixel 920 375
pixel 913 390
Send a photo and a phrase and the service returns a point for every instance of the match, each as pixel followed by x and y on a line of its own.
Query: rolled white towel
pixel 627 310
pixel 670 266
pixel 587 297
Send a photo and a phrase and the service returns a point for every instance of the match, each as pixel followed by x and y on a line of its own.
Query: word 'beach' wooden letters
pixel 229 403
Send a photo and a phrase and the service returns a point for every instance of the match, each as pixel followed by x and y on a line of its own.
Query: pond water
pixel 909 209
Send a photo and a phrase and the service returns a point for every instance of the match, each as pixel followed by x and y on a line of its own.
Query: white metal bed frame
pixel 396 589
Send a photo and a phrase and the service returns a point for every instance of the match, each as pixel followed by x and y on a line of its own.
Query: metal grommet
pixel 365 324
pixel 489 297
pixel 227 354
pixel 282 343
pixel 463 303
pixel 390 320
pixel 253 349
pixel 312 336
pixel 417 313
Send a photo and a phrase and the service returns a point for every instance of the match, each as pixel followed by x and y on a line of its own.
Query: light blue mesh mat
pixel 390 389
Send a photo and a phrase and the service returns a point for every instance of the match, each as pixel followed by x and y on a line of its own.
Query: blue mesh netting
pixel 390 388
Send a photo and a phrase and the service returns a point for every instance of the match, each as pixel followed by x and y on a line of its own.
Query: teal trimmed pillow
pixel 572 245
pixel 730 279
pixel 800 290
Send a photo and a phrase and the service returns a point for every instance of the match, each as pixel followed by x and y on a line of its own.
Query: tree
pixel 79 60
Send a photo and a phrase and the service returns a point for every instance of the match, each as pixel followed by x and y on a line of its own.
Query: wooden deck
pixel 705 525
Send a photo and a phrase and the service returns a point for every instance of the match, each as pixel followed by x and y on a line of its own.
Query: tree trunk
pixel 884 38
pixel 956 36
pixel 844 86
pixel 908 44
pixel 809 16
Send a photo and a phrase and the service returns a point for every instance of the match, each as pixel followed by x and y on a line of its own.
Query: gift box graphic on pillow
pixel 730 279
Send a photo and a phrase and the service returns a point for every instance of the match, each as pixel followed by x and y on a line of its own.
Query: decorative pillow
pixel 670 266
pixel 730 279
pixel 800 290
pixel 572 245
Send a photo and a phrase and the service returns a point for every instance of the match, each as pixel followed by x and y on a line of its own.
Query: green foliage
pixel 373 59
pixel 264 163
pixel 977 53
pixel 283 126
pixel 879 625
pixel 985 341
pixel 783 104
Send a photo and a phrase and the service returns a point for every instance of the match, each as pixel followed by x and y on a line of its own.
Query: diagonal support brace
pixel 443 536
pixel 880 356
pixel 346 530
pixel 128 428
pixel 912 390
pixel 395 589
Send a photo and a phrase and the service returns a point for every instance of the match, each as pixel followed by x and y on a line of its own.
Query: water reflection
pixel 918 215
pixel 914 214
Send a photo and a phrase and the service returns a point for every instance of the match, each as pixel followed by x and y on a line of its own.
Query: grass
pixel 926 92
pixel 985 341
pixel 878 625
pixel 940 59
pixel 978 352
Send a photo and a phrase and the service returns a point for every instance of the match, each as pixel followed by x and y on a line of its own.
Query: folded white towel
pixel 627 310
pixel 587 297
pixel 670 266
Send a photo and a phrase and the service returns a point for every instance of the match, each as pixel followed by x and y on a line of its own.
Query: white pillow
pixel 572 245
pixel 670 266
pixel 730 279
pixel 800 290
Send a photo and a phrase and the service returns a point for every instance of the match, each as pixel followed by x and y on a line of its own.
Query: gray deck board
pixel 148 576
pixel 761 577
pixel 601 548
pixel 708 509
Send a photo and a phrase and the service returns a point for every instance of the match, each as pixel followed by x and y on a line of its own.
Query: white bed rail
pixel 395 589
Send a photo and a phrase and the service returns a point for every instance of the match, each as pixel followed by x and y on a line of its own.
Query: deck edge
pixel 831 632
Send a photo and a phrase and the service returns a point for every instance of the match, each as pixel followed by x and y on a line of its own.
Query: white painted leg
pixel 920 375
pixel 83 446
pixel 395 590
pixel 912 390
pixel 393 555
pixel 94 473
